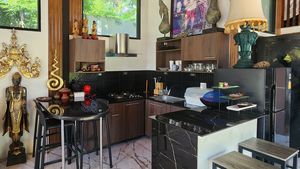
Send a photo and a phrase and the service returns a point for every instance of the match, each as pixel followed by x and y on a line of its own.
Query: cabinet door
pixel 204 47
pixel 135 116
pixel 116 121
pixel 153 108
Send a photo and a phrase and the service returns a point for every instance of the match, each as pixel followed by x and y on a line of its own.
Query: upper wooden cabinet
pixel 86 51
pixel 212 46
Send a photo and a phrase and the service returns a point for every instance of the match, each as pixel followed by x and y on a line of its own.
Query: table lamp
pixel 247 16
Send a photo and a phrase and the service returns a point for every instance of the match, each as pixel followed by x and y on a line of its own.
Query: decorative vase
pixel 213 13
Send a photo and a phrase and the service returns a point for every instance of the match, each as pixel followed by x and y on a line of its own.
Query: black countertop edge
pixel 207 121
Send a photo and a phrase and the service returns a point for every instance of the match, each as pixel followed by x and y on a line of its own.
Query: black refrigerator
pixel 283 105
pixel 276 91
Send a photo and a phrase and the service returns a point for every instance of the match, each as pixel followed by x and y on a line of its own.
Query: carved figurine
pixel 94 31
pixel 15 119
pixel 85 34
pixel 164 26
pixel 75 30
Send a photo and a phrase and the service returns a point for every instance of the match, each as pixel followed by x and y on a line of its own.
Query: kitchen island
pixel 191 139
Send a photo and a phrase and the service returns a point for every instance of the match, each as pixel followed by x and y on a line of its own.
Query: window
pixel 19 14
pixel 114 16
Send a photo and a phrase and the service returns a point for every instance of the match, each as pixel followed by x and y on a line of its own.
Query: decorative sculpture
pixel 94 31
pixel 15 120
pixel 164 26
pixel 55 82
pixel 85 34
pixel 75 29
pixel 16 55
pixel 213 14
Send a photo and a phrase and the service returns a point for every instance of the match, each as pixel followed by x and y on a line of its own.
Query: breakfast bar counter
pixel 191 139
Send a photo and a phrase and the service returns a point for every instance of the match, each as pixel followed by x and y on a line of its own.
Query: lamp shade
pixel 246 12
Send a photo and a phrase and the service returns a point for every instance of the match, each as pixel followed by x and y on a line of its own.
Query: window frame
pixel 38 29
pixel 138 20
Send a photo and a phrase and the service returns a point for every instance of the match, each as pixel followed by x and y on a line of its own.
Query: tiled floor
pixel 134 154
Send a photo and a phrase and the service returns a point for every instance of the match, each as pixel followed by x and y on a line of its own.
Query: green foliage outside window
pixel 22 14
pixel 112 15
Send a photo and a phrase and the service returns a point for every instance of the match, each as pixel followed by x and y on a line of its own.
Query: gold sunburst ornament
pixel 15 55
pixel 55 82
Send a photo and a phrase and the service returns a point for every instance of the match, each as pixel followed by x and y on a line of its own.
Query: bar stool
pixel 96 138
pixel 271 152
pixel 45 124
pixel 235 160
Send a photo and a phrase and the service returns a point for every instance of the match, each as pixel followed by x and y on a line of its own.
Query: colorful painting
pixel 188 17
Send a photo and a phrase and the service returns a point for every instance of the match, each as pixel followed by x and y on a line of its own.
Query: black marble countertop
pixel 207 121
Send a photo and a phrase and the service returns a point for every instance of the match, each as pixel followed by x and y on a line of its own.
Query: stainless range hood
pixel 118 46
pixel 122 40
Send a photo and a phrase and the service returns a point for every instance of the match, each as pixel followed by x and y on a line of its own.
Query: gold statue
pixel 15 118
pixel 16 55
pixel 85 34
pixel 94 31
pixel 55 82
pixel 75 29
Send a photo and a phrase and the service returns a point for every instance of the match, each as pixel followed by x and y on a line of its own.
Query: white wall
pixel 37 46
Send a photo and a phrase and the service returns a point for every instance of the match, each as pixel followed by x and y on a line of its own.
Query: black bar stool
pixel 44 124
pixel 96 138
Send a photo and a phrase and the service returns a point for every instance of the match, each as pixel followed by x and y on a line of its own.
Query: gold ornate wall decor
pixel 55 82
pixel 16 55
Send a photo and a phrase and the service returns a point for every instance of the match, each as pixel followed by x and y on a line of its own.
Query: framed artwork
pixel 188 17
pixel 20 15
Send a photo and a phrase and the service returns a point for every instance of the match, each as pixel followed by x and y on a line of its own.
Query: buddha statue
pixel 94 30
pixel 85 30
pixel 75 29
pixel 15 118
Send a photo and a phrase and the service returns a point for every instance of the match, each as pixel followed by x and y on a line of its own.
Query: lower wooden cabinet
pixel 134 119
pixel 127 120
pixel 116 121
pixel 157 108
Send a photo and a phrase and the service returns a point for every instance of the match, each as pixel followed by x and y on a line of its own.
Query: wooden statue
pixel 85 31
pixel 94 31
pixel 75 30
pixel 15 120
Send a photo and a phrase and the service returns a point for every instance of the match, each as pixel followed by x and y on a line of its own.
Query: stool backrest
pixel 41 112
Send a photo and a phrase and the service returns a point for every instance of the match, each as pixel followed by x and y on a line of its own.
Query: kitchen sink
pixel 166 98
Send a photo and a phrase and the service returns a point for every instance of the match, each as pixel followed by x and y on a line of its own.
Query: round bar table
pixel 77 112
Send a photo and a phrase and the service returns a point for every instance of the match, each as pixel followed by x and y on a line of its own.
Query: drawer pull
pixel 115 115
pixel 210 57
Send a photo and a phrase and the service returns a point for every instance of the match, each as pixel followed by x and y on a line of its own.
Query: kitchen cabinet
pixel 134 119
pixel 157 108
pixel 116 121
pixel 206 47
pixel 88 52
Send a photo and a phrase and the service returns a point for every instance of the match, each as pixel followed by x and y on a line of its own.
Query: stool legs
pixel 75 143
pixel 43 147
pixel 108 141
pixel 37 150
pixel 295 161
pixel 96 137
pixel 34 134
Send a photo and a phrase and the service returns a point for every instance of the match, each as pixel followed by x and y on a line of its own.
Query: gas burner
pixel 124 96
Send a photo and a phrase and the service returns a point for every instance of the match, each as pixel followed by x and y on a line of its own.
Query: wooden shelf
pixel 169 40
pixel 169 50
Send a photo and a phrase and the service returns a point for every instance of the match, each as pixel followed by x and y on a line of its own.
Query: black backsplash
pixel 273 49
pixel 135 81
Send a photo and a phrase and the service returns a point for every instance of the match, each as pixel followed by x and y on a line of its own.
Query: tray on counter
pixel 237 108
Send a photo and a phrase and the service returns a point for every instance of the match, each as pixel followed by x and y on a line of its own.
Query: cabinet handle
pixel 210 57
pixel 134 103
pixel 115 115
